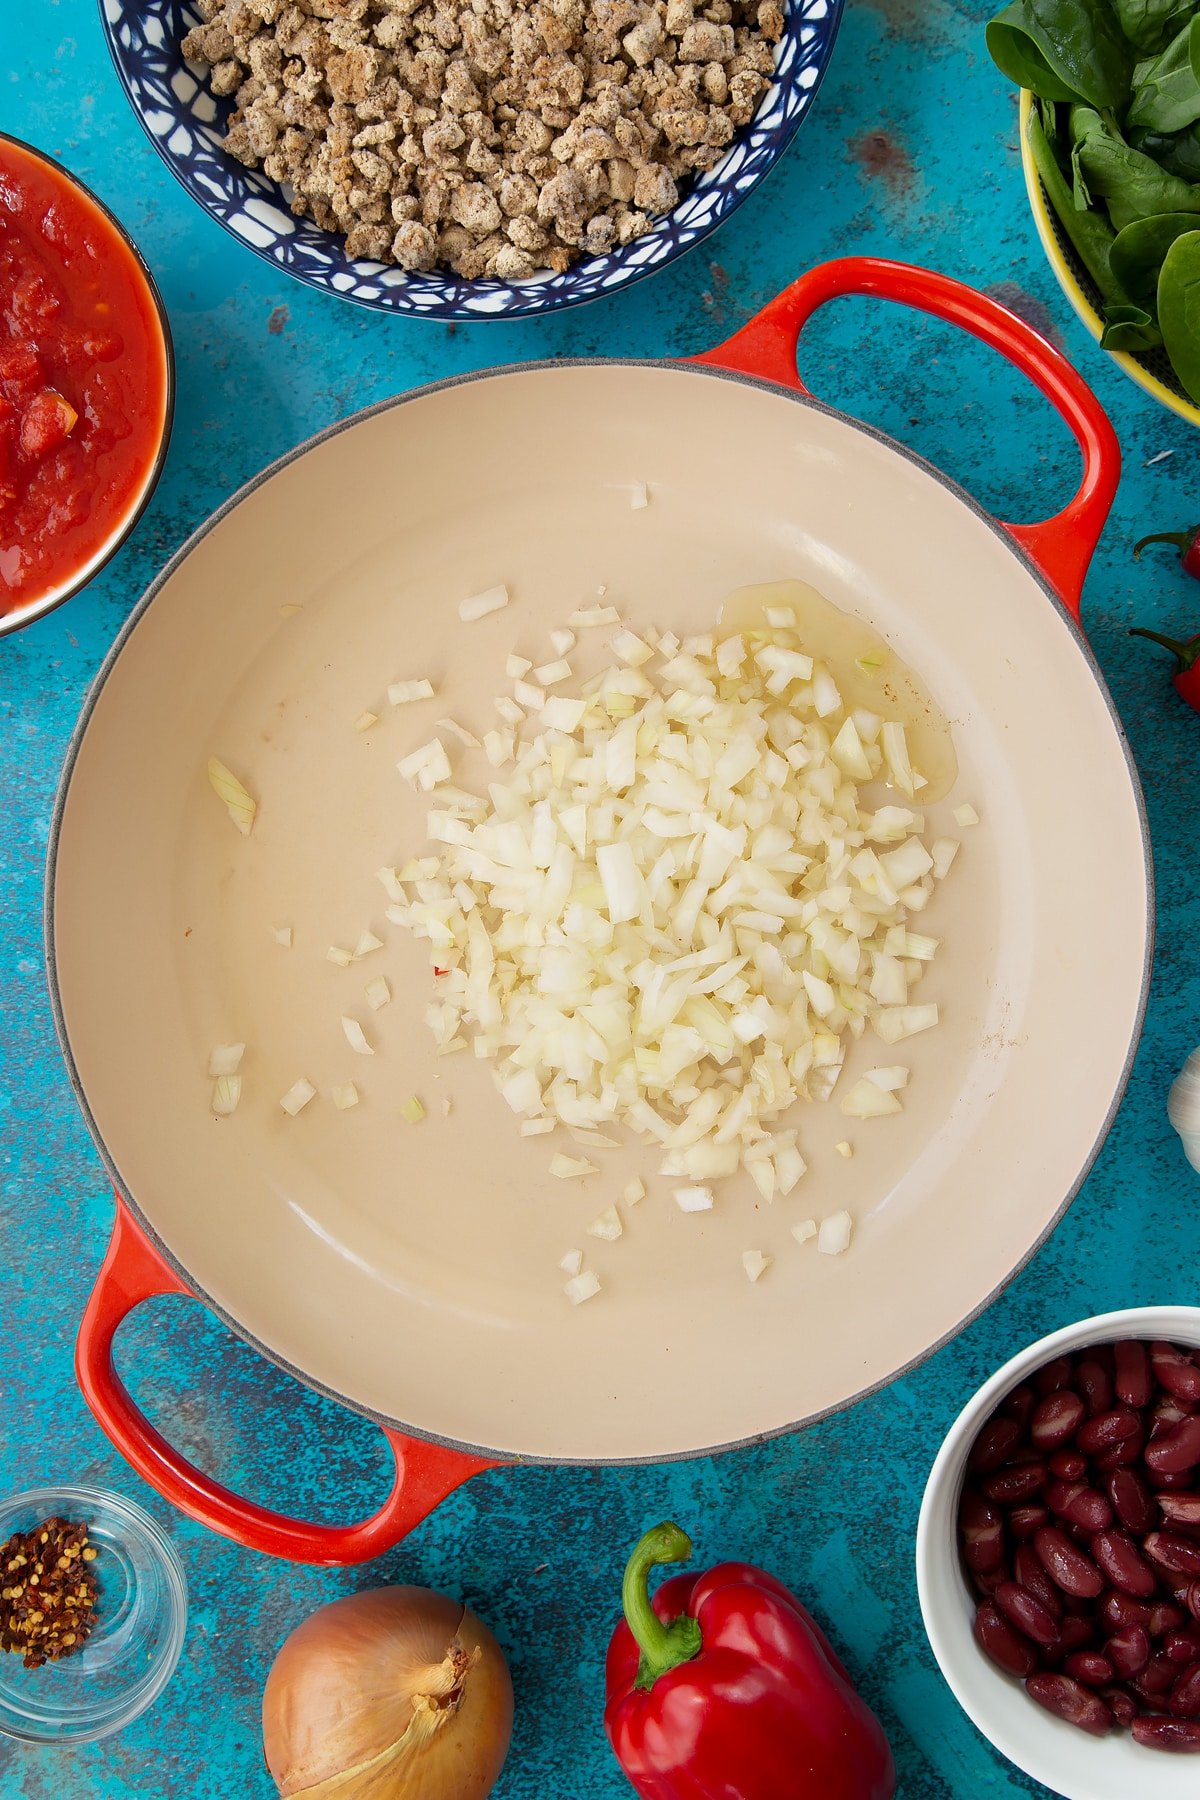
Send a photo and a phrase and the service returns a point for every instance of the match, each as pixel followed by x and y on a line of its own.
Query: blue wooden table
pixel 911 151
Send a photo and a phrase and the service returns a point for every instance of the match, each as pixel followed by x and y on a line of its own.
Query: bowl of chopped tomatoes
pixel 87 384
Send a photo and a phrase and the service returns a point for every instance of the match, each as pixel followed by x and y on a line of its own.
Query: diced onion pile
pixel 675 906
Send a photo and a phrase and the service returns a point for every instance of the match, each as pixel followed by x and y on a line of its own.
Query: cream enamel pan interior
pixel 413 1271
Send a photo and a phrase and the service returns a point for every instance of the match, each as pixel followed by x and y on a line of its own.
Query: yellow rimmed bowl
pixel 1150 369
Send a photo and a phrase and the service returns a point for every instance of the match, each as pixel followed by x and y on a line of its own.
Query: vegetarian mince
pixel 498 137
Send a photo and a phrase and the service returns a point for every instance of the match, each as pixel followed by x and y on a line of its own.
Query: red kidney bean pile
pixel 1079 1527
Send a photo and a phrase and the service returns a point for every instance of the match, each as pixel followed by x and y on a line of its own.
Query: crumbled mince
pixel 47 1592
pixel 497 136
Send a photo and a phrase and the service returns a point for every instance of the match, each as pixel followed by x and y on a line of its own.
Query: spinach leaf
pixel 1138 251
pixel 1179 309
pixel 1147 23
pixel 1133 184
pixel 1129 327
pixel 1178 154
pixel 1063 50
pixel 1088 233
pixel 1167 92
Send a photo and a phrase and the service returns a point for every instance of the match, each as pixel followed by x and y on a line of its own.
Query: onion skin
pixel 394 1694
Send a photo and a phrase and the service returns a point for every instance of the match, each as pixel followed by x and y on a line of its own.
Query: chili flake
pixel 47 1592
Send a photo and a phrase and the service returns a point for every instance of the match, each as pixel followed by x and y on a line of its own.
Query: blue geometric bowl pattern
pixel 185 124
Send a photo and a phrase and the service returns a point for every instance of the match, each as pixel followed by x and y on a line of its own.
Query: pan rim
pixel 494 1453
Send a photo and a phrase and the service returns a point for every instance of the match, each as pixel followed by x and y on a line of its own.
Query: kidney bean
pixel 1107 1429
pixel 1023 1521
pixel 1124 1706
pixel 1054 1375
pixel 1027 1613
pixel 1029 1573
pixel 1067 1566
pixel 1119 1610
pixel 1019 1404
pixel 1176 1449
pixel 1006 1647
pixel 1165 1414
pixel 987 1584
pixel 1189 1598
pixel 1068 1465
pixel 1131 1500
pixel 1056 1419
pixel 1095 1383
pixel 1131 1373
pixel 1120 1559
pixel 1184 1698
pixel 1181 1648
pixel 1121 1456
pixel 995 1444
pixel 1128 1651
pixel 1156 1679
pixel 1074 1633
pixel 981 1532
pixel 1019 1481
pixel 1180 1509
pixel 1166 1480
pixel 1163 1618
pixel 1158 1733
pixel 1090 1667
pixel 1068 1700
pixel 1169 1550
pixel 1080 1505
pixel 1175 1372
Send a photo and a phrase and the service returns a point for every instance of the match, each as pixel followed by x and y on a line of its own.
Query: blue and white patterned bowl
pixel 185 124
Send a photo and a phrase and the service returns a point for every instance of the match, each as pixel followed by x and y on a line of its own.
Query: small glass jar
pixel 141 1614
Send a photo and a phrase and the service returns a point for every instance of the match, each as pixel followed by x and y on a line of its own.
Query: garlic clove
pixel 1183 1108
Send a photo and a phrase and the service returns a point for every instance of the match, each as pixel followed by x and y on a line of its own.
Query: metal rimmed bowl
pixel 186 125
pixel 1151 369
pixel 29 610
pixel 141 1615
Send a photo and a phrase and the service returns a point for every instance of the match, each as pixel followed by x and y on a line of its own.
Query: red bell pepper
pixel 1186 542
pixel 725 1688
pixel 1186 652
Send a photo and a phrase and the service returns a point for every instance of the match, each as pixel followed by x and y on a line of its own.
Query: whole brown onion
pixel 393 1694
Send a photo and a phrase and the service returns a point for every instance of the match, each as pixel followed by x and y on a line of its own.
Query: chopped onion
pixel 227 1091
pixel 635 1190
pixel 639 496
pixel 412 1110
pixel 589 616
pixel 755 1263
pixel 527 695
pixel 582 1287
pixel 515 666
pixel 607 1227
pixel 356 1037
pixel 365 720
pixel 866 1101
pixel 536 1127
pixel 225 1059
pixel 366 943
pixel 239 804
pixel 572 1262
pixel 378 992
pixel 572 1168
pixel 297 1096
pixel 460 732
pixel 562 642
pixel 477 606
pixel 694 1199
pixel 966 814
pixel 335 954
pixel 282 935
pixel 551 672
pixel 807 1228
pixel 845 1148
pixel 834 1234
pixel 942 853
pixel 426 766
pixel 345 1096
pixel 403 693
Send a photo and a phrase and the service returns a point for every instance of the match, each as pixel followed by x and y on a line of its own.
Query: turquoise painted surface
pixel 911 151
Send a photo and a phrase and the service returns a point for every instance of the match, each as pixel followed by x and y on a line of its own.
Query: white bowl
pixel 1075 1765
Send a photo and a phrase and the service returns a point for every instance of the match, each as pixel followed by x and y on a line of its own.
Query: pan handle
pixel 1061 547
pixel 133 1271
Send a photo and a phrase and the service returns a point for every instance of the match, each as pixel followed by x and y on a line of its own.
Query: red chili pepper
pixel 1186 652
pixel 724 1688
pixel 1186 542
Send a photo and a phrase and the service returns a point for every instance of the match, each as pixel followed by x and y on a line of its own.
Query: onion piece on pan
pixel 239 803
pixel 298 1096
